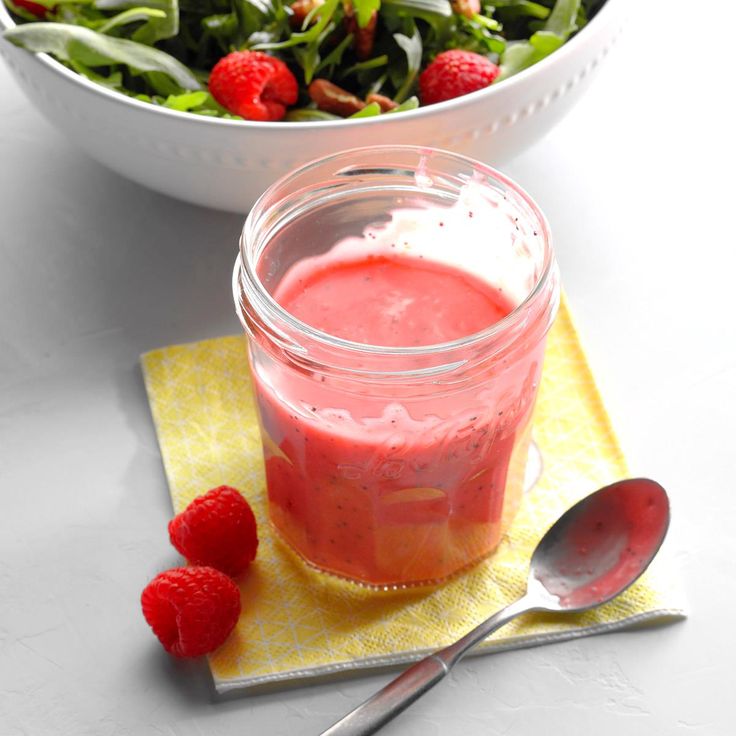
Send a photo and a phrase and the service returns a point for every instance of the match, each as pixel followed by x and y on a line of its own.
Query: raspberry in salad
pixel 254 85
pixel 455 73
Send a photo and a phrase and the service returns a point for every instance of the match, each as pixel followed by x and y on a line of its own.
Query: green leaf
pixel 479 38
pixel 308 56
pixel 133 15
pixel 220 23
pixel 264 7
pixel 412 103
pixel 308 59
pixel 308 114
pixel 186 101
pixel 522 8
pixel 364 10
pixel 375 63
pixel 377 84
pixel 157 28
pixel 561 21
pixel 75 43
pixel 520 56
pixel 489 23
pixel 335 56
pixel 252 15
pixel 162 84
pixel 545 42
pixel 557 29
pixel 368 111
pixel 224 27
pixel 412 47
pixel 309 36
pixel 112 81
pixel 435 7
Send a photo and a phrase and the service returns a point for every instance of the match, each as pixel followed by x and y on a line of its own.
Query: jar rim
pixel 245 274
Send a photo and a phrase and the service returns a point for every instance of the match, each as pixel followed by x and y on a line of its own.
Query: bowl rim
pixel 554 59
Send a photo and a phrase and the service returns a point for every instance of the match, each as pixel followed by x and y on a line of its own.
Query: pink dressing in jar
pixel 396 365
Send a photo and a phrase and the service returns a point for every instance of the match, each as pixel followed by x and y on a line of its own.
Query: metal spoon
pixel 594 551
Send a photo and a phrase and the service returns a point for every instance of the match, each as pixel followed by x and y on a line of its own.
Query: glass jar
pixel 402 465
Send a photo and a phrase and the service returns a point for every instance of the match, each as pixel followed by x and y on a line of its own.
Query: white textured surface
pixel 638 185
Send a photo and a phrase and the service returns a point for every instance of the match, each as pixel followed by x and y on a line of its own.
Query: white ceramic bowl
pixel 226 164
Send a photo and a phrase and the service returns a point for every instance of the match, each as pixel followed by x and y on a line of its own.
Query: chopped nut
pixel 331 98
pixel 468 8
pixel 385 103
pixel 300 9
pixel 363 38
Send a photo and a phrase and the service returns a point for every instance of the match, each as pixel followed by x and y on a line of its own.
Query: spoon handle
pixel 411 684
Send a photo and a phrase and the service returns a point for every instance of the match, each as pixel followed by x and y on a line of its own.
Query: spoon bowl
pixel 600 546
pixel 593 552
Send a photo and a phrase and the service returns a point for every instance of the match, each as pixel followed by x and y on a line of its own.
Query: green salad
pixel 162 51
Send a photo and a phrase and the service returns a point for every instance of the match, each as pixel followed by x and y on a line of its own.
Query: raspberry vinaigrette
pixel 395 366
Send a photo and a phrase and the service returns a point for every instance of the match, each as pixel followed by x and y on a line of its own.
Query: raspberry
pixel 254 85
pixel 217 529
pixel 38 10
pixel 455 73
pixel 192 610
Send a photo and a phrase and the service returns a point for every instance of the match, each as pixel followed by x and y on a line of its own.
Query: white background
pixel 638 183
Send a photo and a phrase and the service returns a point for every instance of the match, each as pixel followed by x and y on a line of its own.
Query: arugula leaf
pixel 223 27
pixel 478 37
pixel 411 103
pixel 186 101
pixel 434 7
pixel 368 111
pixel 308 56
pixel 557 29
pixel 374 63
pixel 113 81
pixel 561 21
pixel 334 58
pixel 265 7
pixel 75 43
pixel 158 27
pixel 413 48
pixel 133 15
pixel 309 114
pixel 489 23
pixel 377 84
pixel 521 8
pixel 364 10
pixel 309 36
pixel 252 15
pixel 521 55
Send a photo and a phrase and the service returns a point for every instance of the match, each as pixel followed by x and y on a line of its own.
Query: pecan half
pixel 331 98
pixel 468 8
pixel 385 103
pixel 300 9
pixel 363 38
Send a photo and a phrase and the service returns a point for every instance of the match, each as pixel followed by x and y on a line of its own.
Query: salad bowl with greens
pixel 128 80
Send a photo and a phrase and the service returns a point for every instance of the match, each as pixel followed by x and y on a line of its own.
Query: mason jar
pixel 399 463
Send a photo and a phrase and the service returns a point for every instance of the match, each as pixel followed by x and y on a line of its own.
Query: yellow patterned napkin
pixel 297 623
